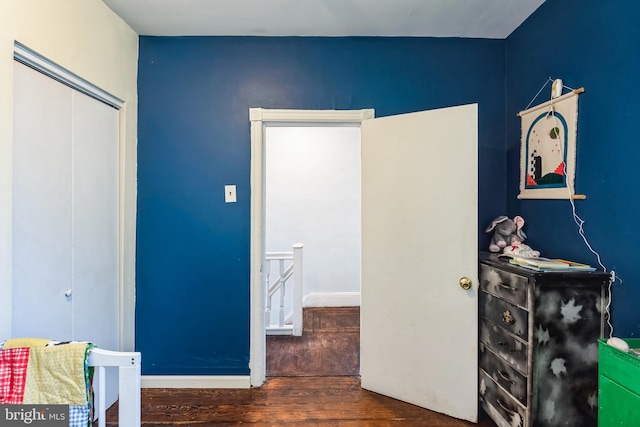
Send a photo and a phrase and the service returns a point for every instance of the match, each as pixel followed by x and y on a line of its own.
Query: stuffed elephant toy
pixel 506 232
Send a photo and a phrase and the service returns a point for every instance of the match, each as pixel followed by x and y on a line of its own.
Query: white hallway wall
pixel 313 197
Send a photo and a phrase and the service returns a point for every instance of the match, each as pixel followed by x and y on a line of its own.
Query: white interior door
pixel 419 238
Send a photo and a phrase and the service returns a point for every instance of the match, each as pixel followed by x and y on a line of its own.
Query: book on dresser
pixel 546 264
pixel 538 333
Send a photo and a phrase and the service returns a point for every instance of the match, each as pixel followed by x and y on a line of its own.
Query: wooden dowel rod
pixel 551 101
pixel 579 197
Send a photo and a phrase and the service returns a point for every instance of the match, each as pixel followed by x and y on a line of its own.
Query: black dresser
pixel 539 344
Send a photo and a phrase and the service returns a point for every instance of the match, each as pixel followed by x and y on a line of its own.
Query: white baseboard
pixel 331 299
pixel 195 381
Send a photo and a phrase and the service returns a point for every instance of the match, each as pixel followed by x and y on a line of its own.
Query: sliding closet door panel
pixel 95 228
pixel 41 205
pixel 95 225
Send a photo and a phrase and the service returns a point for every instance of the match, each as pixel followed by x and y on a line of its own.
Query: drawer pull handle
pixel 508 318
pixel 506 377
pixel 505 286
pixel 503 406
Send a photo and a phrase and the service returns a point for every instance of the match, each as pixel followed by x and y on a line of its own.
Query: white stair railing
pixel 288 283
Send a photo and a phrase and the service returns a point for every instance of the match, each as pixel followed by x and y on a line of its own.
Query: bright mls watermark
pixel 34 415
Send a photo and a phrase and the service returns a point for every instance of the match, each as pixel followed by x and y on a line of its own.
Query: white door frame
pixel 260 118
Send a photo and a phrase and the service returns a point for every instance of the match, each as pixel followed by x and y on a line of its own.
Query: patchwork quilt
pixel 41 371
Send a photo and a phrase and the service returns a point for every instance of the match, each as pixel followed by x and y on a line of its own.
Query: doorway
pixel 419 206
pixel 312 179
pixel 260 120
pixel 313 185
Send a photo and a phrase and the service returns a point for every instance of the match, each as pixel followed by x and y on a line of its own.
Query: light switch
pixel 230 193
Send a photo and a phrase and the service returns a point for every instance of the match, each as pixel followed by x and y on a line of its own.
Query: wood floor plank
pixel 288 401
pixel 329 345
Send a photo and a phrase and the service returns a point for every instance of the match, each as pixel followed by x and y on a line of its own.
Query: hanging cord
pixel 607 309
pixel 569 185
pixel 541 89
pixel 576 218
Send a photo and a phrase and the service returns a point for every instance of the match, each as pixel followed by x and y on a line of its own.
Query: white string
pixel 607 308
pixel 580 223
pixel 576 218
pixel 542 88
pixel 534 98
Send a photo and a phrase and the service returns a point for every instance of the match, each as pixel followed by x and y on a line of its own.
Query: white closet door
pixel 65 213
pixel 95 228
pixel 95 222
pixel 42 220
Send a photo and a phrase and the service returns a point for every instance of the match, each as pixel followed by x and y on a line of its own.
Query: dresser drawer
pixel 504 374
pixel 499 403
pixel 505 345
pixel 508 286
pixel 500 312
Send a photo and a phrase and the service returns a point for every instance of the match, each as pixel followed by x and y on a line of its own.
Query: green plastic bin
pixel 618 385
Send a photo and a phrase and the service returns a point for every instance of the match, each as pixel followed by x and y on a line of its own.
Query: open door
pixel 419 240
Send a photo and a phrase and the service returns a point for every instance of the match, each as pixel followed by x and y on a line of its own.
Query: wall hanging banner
pixel 548 148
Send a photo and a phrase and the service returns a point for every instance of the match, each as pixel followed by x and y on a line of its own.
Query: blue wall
pixel 595 45
pixel 192 308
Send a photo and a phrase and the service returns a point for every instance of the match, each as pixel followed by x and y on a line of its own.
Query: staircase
pixel 284 285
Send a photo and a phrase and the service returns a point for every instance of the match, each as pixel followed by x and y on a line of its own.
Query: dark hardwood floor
pixel 312 381
pixel 329 345
pixel 286 401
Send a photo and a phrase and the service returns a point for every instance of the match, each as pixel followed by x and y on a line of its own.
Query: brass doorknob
pixel 465 283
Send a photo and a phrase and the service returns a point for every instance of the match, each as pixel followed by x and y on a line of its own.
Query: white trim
pixel 260 118
pixel 257 332
pixel 280 330
pixel 310 116
pixel 195 381
pixel 332 299
pixel 39 63
pixel 127 288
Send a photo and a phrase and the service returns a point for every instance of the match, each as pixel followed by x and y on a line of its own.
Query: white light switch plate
pixel 230 193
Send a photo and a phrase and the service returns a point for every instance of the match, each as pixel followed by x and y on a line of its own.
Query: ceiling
pixel 494 19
